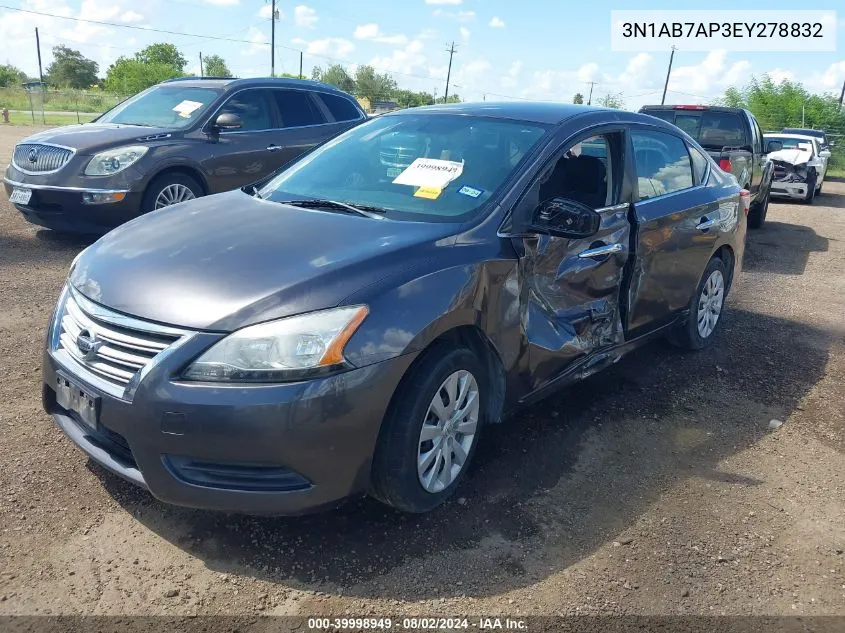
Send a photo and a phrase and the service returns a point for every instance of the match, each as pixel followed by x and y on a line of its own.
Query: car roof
pixel 534 111
pixel 254 82
pixel 801 137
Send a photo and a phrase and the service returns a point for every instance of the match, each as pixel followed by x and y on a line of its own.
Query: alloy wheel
pixel 173 194
pixel 448 431
pixel 710 303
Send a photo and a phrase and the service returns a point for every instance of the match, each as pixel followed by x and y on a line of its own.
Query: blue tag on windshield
pixel 472 192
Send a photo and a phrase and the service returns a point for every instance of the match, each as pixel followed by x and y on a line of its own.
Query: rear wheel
pixel 705 309
pixel 170 189
pixel 429 435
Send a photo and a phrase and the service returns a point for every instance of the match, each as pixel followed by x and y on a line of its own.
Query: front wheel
pixel 705 309
pixel 811 188
pixel 430 432
pixel 169 189
pixel 757 214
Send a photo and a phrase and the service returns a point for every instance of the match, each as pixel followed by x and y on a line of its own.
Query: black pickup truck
pixel 733 138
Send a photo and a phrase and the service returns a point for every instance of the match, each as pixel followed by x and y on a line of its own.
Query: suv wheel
pixel 758 211
pixel 428 438
pixel 811 187
pixel 169 189
pixel 705 309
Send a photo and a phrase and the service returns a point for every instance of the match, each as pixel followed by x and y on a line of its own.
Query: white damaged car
pixel 799 165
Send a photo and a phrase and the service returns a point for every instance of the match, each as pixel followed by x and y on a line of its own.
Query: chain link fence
pixel 54 107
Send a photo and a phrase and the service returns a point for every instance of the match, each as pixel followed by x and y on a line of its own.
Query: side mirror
pixel 565 218
pixel 773 146
pixel 228 121
pixel 825 153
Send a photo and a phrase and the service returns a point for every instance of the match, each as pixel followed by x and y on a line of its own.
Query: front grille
pixel 40 159
pixel 398 156
pixel 108 350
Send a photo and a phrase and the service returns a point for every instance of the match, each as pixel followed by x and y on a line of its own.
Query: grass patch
pixel 50 119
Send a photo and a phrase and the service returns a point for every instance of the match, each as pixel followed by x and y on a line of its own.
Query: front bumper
pixel 789 189
pixel 254 449
pixel 58 199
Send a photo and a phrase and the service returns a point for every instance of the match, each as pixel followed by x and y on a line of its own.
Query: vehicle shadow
pixel 781 248
pixel 547 489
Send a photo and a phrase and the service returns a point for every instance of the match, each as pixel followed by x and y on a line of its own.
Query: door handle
pixel 600 251
pixel 706 223
pixel 274 148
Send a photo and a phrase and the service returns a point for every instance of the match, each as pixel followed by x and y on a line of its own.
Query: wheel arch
pixel 186 170
pixel 727 255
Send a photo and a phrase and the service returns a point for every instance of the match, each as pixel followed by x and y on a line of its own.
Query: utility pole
pixel 273 39
pixel 451 51
pixel 668 72
pixel 38 46
pixel 842 95
pixel 202 72
pixel 590 98
pixel 802 115
pixel 300 64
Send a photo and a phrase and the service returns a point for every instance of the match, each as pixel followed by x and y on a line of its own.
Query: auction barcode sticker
pixel 733 30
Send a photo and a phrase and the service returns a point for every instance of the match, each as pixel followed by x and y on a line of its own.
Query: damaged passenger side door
pixel 573 254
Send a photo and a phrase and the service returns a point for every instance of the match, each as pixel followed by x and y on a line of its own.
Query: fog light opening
pixel 102 197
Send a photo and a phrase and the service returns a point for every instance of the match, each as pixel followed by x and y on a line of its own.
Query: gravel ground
pixel 656 487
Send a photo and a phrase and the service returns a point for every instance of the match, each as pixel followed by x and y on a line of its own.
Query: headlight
pixel 114 160
pixel 286 349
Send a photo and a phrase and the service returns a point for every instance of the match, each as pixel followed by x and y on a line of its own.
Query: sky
pixel 546 50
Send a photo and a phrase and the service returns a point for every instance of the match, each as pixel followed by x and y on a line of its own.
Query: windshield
pixel 426 167
pixel 792 143
pixel 165 105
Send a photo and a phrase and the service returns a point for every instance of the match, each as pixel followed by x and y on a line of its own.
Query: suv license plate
pixel 73 398
pixel 20 196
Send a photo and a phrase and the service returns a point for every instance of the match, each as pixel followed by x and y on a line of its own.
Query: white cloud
pixel 510 80
pixel 497 23
pixel 779 75
pixel 408 60
pixel 829 80
pixel 427 34
pixel 459 16
pixel 224 3
pixel 259 40
pixel 304 16
pixel 372 32
pixel 443 1
pixel 328 46
pixel 131 16
pixel 465 33
pixel 707 79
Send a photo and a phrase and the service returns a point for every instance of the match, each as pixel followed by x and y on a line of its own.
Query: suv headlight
pixel 114 160
pixel 286 349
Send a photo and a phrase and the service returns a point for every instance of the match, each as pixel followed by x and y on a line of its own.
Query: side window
pixel 341 109
pixel 755 135
pixel 584 172
pixel 699 164
pixel 297 109
pixel 663 163
pixel 759 137
pixel 253 109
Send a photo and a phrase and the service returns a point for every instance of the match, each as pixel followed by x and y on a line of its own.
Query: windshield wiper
pixel 375 213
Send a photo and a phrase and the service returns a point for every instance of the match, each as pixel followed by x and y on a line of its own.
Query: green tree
pixel 578 98
pixel 215 66
pixel 11 76
pixel 453 98
pixel 373 86
pixel 335 75
pixel 611 100
pixel 70 69
pixel 162 53
pixel 411 99
pixel 128 76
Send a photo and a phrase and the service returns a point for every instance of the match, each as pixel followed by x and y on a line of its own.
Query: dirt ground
pixel 656 487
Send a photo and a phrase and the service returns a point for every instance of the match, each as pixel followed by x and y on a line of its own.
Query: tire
pixel 819 188
pixel 397 479
pixel 159 186
pixel 757 213
pixel 688 334
pixel 811 188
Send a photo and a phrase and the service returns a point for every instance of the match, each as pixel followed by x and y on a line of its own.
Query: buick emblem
pixel 87 344
pixel 33 155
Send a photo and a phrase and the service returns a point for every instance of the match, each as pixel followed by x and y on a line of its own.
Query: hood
pixel 225 261
pixel 90 138
pixel 791 156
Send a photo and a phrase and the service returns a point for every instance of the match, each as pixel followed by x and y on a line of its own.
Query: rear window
pixel 711 128
pixel 341 109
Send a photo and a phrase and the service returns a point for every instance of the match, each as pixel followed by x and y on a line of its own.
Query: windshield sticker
pixel 186 108
pixel 432 193
pixel 472 192
pixel 392 172
pixel 430 172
